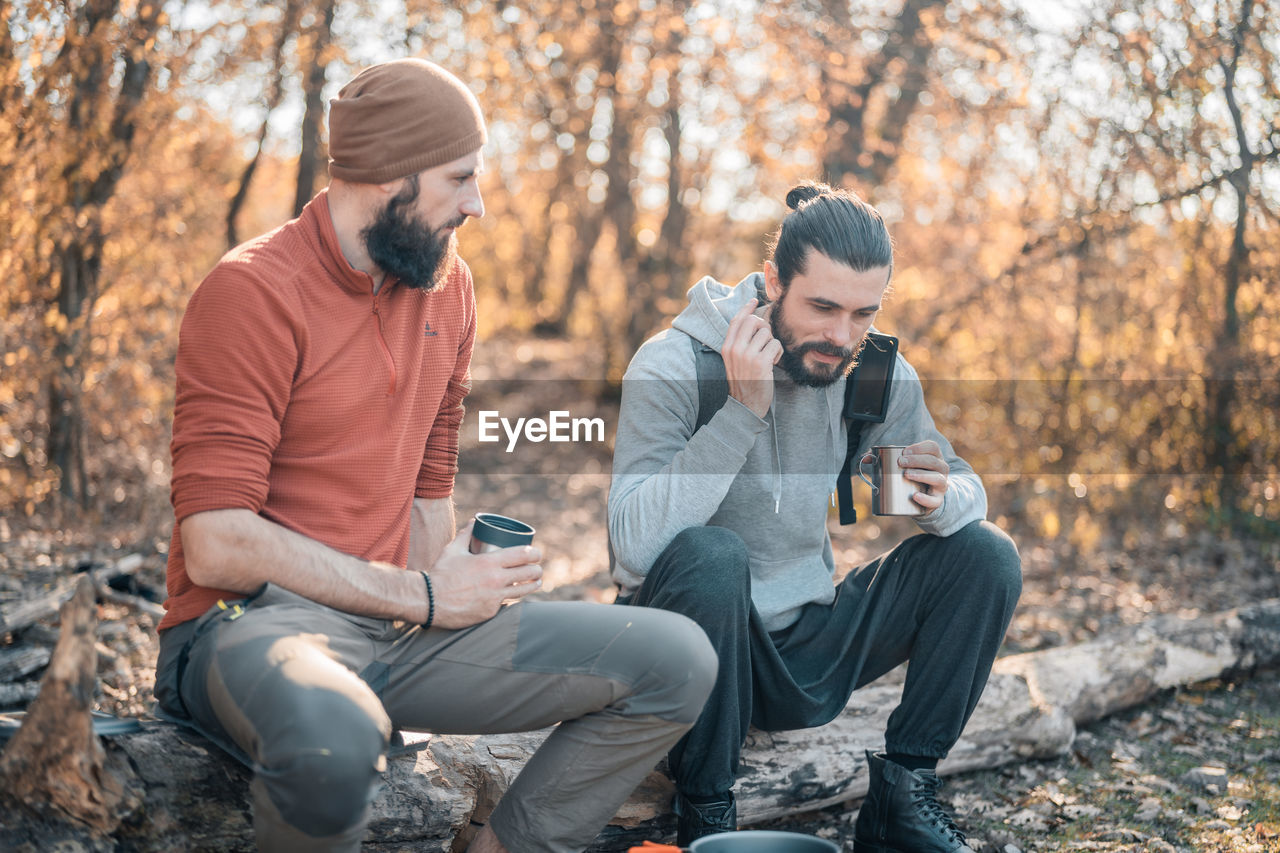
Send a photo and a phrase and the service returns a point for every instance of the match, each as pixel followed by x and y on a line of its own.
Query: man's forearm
pixel 433 527
pixel 649 501
pixel 238 550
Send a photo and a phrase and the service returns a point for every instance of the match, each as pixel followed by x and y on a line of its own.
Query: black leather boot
pixel 901 813
pixel 698 820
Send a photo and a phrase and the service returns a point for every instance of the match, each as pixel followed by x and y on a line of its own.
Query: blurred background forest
pixel 1085 201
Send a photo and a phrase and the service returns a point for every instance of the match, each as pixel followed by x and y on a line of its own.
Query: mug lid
pixel 494 529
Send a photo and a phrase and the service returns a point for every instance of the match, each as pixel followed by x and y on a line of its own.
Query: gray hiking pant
pixel 308 696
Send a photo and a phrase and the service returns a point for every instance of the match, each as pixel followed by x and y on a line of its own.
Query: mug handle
pixel 863 476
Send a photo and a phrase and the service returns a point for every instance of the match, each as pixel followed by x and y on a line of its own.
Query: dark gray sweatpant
pixel 309 695
pixel 942 603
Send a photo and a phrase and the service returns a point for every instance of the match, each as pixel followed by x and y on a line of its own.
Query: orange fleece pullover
pixel 304 396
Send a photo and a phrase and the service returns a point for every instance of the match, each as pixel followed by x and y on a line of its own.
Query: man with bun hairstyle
pixel 318 596
pixel 727 523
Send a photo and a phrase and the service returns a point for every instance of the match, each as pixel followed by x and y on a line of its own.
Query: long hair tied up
pixel 836 223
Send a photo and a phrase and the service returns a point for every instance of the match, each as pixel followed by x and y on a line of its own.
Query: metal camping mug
pixel 492 532
pixel 890 491
pixel 760 841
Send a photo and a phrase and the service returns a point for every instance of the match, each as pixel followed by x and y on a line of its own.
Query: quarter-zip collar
pixel 317 217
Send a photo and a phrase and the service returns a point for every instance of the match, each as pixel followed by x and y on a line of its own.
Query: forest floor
pixel 1196 769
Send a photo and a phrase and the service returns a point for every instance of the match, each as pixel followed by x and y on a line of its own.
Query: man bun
pixel 833 222
pixel 807 191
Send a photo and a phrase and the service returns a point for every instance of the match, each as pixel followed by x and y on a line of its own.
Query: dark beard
pixel 792 361
pixel 407 248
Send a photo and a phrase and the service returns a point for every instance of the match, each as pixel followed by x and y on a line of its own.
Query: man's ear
pixel 772 284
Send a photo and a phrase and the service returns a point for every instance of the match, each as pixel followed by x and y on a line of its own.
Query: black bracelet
pixel 431 602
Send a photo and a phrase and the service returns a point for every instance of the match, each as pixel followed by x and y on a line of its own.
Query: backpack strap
pixel 713 382
pixel 866 400
pixel 844 482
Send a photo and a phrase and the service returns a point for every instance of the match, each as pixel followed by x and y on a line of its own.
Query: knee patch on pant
pixel 321 777
pixel 316 732
pixel 680 665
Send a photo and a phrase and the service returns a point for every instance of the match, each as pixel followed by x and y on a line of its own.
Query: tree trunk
pixel 591 217
pixel 855 148
pixel 87 53
pixel 10 82
pixel 537 240
pixel 586 233
pixel 66 377
pixel 89 56
pixel 1225 456
pixel 537 246
pixel 316 54
pixel 197 797
pixel 659 270
pixel 288 26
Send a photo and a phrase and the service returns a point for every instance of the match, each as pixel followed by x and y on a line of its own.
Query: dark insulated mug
pixel 492 532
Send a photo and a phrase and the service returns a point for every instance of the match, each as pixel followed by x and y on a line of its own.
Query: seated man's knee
pixel 680 667
pixel 716 556
pixel 321 776
pixel 995 555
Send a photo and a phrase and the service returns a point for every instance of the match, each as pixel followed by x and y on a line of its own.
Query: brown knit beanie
pixel 399 118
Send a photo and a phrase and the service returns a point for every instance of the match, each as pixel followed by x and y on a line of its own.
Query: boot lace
pixel 925 797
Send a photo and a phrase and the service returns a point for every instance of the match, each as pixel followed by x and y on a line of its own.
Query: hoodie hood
pixel 712 305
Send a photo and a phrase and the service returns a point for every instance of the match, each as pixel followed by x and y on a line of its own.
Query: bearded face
pixel 831 362
pixel 406 247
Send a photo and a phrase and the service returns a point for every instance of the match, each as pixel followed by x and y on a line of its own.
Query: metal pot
pixel 759 841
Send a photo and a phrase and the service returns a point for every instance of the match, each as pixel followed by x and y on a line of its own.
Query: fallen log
pixel 137 602
pixel 197 798
pixel 17 615
pixel 21 662
pixel 19 694
pixel 1121 669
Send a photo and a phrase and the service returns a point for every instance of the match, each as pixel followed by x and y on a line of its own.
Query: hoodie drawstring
pixel 777 463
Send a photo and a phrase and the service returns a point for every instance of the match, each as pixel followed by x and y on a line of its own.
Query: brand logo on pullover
pixel 426 332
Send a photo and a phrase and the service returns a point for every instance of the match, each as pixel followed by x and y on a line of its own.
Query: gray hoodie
pixel 770 481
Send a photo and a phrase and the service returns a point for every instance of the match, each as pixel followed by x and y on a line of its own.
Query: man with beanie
pixel 318 596
pixel 718 510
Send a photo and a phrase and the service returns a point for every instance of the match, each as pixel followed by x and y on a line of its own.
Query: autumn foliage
pixel 1086 208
